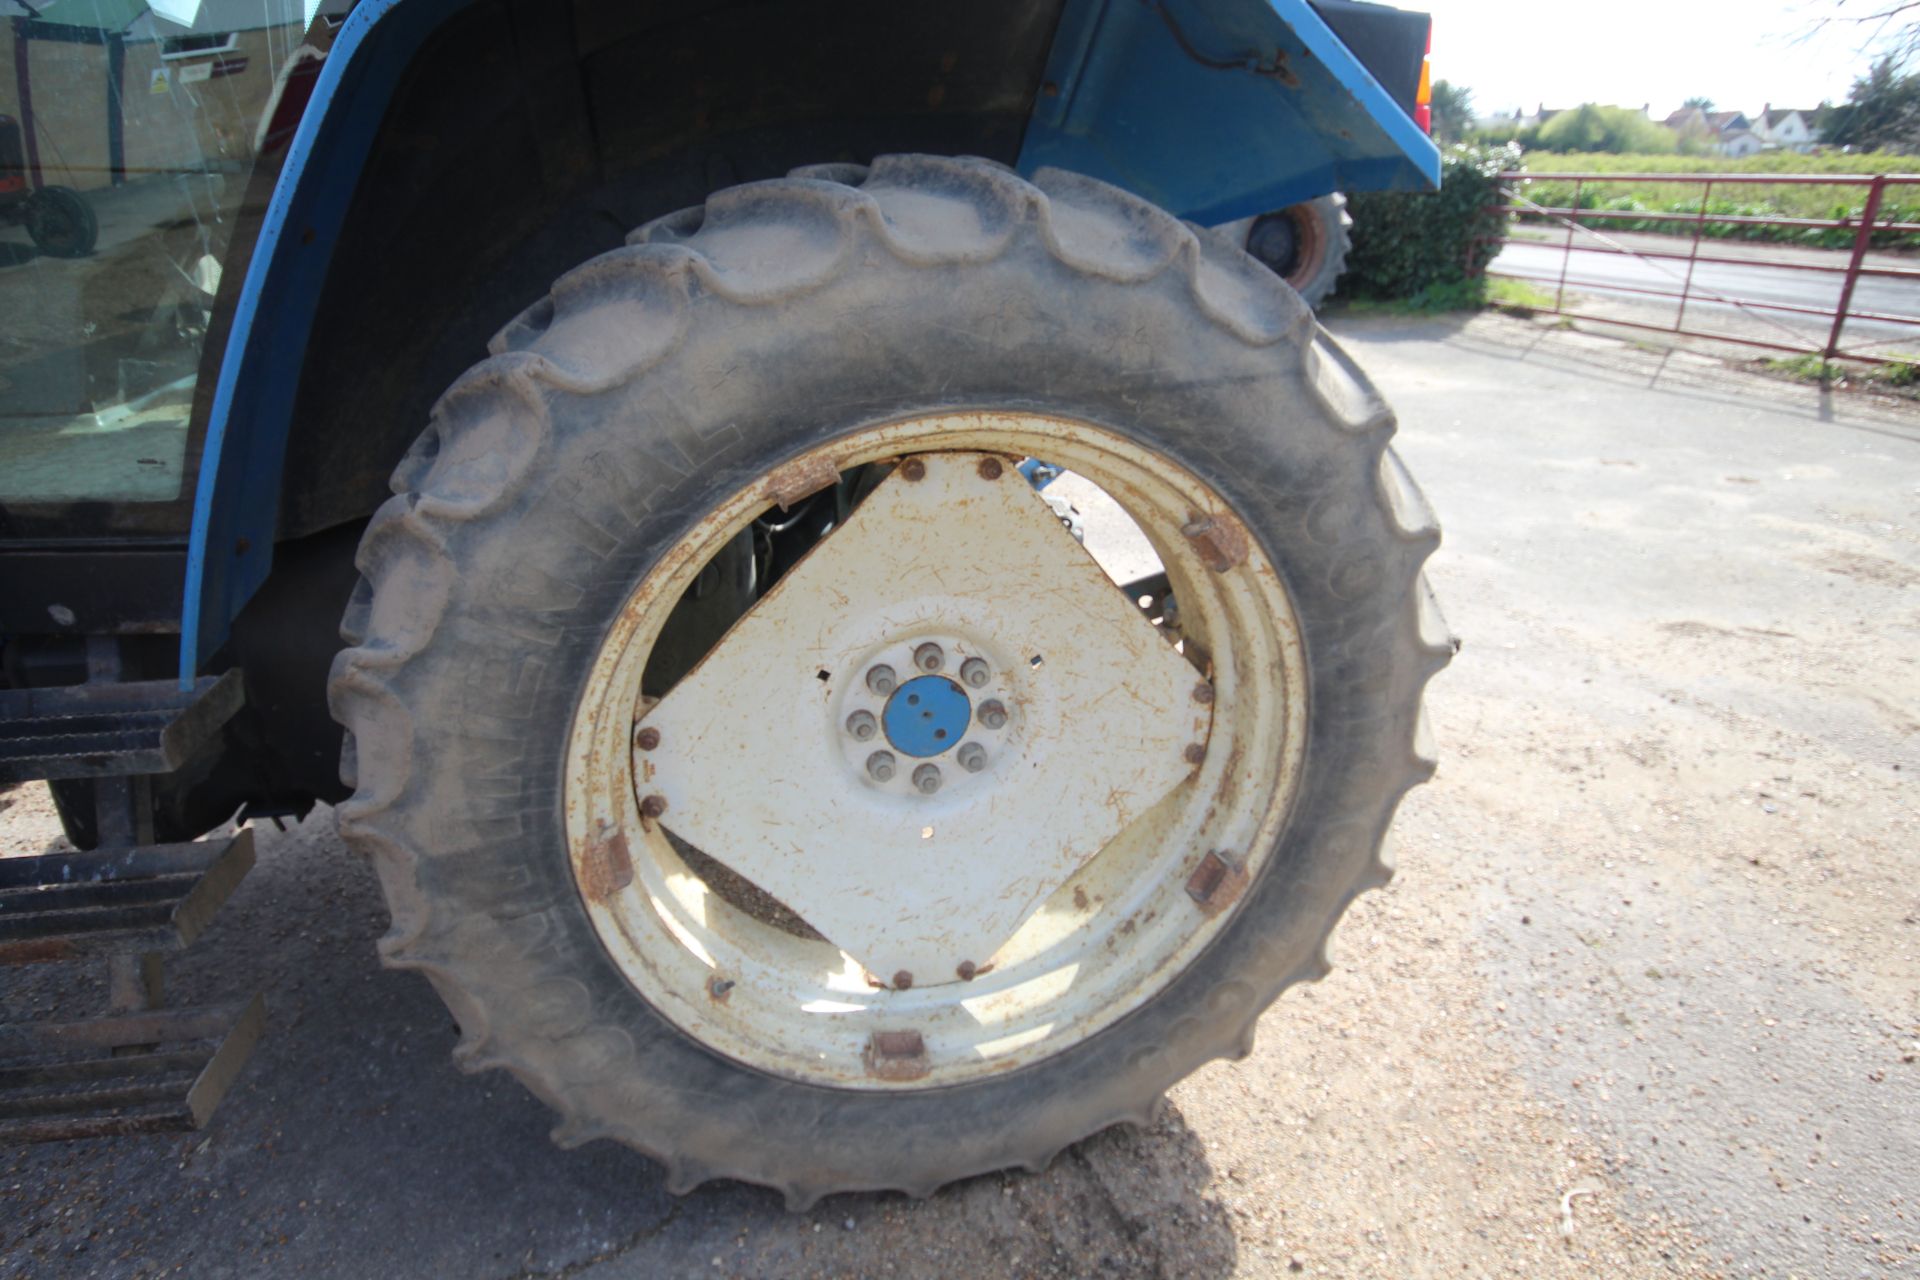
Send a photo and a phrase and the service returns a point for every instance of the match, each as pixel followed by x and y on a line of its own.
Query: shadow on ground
pixel 1662 363
pixel 351 1146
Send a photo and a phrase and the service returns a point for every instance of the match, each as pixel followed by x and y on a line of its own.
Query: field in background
pixel 1788 201
pixel 1865 162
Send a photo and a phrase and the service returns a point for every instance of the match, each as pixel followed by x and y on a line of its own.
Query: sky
pixel 1741 53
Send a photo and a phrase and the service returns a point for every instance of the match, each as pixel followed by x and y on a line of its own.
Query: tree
pixel 1881 113
pixel 1705 104
pixel 1452 112
pixel 1894 24
pixel 1591 127
pixel 1496 134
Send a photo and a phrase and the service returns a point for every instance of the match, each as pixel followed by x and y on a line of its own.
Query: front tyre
pixel 1305 244
pixel 673 888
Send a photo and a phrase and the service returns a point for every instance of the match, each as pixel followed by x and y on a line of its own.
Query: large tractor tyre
pixel 1306 245
pixel 688 905
pixel 60 222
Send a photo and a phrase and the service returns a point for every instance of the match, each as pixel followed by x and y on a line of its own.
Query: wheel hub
pixel 926 716
pixel 1275 241
pixel 883 726
pixel 1011 767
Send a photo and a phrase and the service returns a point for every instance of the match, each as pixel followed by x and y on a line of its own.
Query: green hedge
pixel 1407 242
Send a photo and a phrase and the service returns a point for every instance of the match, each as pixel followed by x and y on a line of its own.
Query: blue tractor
pixel 593 447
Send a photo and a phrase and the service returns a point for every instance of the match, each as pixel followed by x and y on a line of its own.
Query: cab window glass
pixel 128 132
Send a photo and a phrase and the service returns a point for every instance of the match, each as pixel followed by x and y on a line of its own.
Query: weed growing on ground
pixel 1498 292
pixel 1900 376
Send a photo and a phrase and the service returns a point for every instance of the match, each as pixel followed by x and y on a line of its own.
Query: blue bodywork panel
pixel 1215 109
pixel 236 503
pixel 1220 109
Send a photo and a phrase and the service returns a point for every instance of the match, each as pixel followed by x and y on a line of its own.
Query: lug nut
pixel 929 657
pixel 974 672
pixel 1203 693
pixel 647 739
pixel 880 679
pixel 966 969
pixel 903 981
pixel 880 766
pixel 973 757
pixel 913 469
pixel 653 806
pixel 926 778
pixel 989 468
pixel 862 725
pixel 991 714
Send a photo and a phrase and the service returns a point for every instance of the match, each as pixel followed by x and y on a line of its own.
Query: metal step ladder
pixel 104 728
pixel 141 1068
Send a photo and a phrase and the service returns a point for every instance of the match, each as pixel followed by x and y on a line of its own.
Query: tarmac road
pixel 1594 271
pixel 1644 998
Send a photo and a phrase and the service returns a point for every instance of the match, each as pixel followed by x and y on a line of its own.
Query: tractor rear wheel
pixel 928 851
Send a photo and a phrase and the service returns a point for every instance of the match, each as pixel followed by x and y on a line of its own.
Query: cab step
pixel 155 1071
pixel 141 1068
pixel 62 906
pixel 111 728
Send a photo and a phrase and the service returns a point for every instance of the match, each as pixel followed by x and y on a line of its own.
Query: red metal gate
pixel 1863 228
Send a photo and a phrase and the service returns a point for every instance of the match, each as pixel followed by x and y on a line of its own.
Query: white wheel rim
pixel 1114 931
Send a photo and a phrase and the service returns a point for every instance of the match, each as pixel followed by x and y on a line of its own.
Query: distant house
pixel 1786 128
pixel 1513 121
pixel 1715 121
pixel 1727 123
pixel 1687 118
pixel 1734 133
pixel 1731 133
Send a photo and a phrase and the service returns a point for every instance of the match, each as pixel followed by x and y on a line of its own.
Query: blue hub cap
pixel 927 715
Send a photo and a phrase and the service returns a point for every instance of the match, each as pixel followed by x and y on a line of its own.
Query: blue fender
pixel 1214 109
pixel 1219 109
pixel 236 501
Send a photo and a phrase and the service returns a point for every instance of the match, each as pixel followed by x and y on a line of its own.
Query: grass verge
pixel 1899 378
pixel 1497 292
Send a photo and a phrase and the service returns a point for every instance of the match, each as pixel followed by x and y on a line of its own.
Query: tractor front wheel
pixel 929 850
pixel 1306 245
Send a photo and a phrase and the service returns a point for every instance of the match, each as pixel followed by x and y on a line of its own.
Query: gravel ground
pixel 1644 998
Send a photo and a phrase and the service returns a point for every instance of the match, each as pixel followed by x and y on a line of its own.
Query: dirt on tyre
pixel 641 842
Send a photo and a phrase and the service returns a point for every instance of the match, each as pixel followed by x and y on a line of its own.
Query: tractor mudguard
pixel 1213 109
